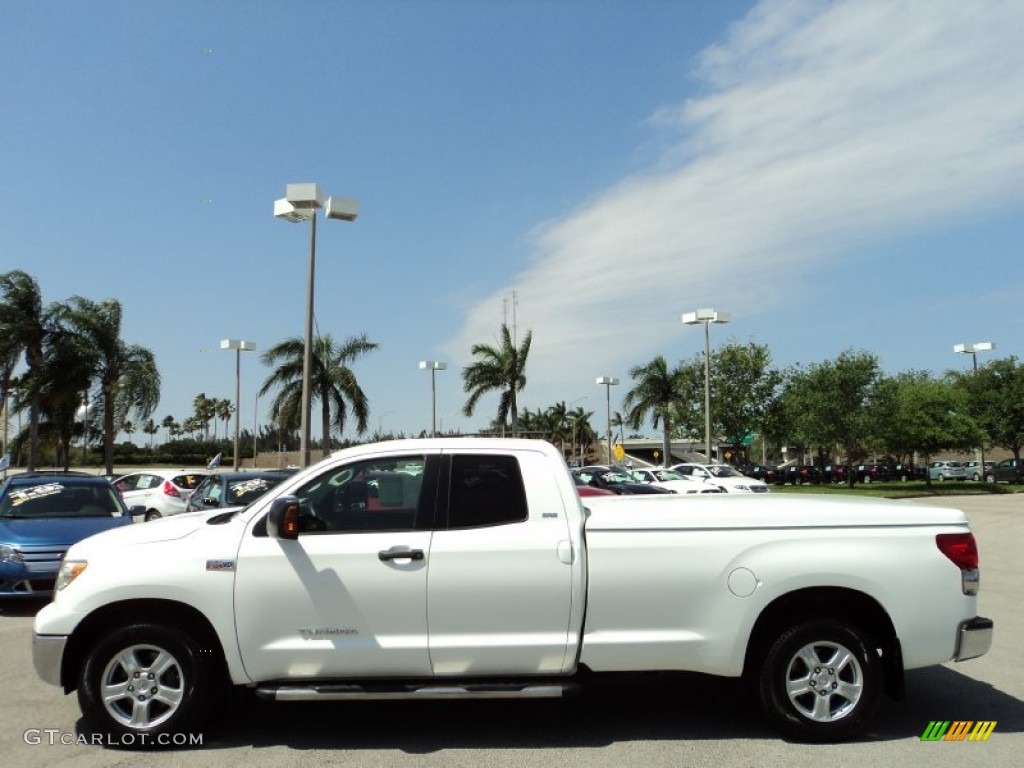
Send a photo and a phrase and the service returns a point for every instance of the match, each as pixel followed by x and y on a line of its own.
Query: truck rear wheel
pixel 146 685
pixel 821 681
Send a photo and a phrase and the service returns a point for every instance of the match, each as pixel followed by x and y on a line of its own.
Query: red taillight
pixel 961 548
pixel 170 490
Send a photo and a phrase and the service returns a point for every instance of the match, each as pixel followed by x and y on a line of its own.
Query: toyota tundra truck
pixel 470 568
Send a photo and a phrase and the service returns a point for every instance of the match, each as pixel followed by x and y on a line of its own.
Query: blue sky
pixel 836 175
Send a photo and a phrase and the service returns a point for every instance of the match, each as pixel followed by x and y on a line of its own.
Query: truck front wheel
pixel 821 681
pixel 144 684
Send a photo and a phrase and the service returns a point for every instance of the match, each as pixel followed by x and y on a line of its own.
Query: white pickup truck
pixel 470 568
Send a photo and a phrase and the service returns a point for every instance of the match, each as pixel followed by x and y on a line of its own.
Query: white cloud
pixel 821 126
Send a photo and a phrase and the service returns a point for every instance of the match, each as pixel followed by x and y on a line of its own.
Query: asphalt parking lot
pixel 674 721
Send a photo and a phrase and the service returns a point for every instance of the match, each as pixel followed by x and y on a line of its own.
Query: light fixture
pixel 705 317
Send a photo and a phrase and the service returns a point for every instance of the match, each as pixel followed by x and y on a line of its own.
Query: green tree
pixel 995 397
pixel 915 412
pixel 332 383
pixel 500 368
pixel 827 404
pixel 24 327
pixel 126 375
pixel 658 392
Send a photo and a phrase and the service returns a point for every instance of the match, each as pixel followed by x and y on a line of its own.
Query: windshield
pixel 60 499
pixel 719 470
pixel 247 490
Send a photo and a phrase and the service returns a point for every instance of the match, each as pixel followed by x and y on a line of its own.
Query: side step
pixel 416 691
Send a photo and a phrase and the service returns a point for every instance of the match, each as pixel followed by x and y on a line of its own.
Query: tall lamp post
pixel 973 350
pixel 609 382
pixel 706 317
pixel 300 204
pixel 239 346
pixel 433 366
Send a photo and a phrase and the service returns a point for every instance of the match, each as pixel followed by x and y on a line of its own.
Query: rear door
pixel 502 569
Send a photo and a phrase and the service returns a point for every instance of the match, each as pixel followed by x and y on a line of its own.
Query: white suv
pixel 162 492
pixel 723 476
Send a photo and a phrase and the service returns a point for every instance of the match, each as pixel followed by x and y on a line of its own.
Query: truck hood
pixel 162 529
pixel 55 531
pixel 733 511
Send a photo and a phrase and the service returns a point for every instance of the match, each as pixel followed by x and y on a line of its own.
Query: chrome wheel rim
pixel 142 686
pixel 824 681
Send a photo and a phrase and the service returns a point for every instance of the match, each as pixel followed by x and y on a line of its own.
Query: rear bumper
pixel 974 638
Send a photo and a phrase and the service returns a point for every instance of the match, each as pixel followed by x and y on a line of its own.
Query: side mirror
pixel 283 518
pixel 137 510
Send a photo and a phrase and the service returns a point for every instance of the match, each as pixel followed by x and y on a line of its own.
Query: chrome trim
pixel 48 656
pixel 974 638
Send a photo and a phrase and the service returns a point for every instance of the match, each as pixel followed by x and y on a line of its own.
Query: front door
pixel 347 599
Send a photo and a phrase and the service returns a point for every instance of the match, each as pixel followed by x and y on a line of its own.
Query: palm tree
pixel 62 388
pixel 150 428
pixel 204 410
pixel 501 368
pixel 170 425
pixel 224 409
pixel 24 327
pixel 656 391
pixel 332 383
pixel 125 374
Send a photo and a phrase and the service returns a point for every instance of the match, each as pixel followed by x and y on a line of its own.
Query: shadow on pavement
pixel 663 707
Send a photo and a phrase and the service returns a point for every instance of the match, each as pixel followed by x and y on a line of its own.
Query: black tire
pixel 180 685
pixel 153 514
pixel 796 669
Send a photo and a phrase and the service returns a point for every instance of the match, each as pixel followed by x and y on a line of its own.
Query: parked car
pixel 906 472
pixel 233 489
pixel 615 480
pixel 669 478
pixel 836 473
pixel 946 470
pixel 41 515
pixel 162 492
pixel 589 490
pixel 723 476
pixel 975 472
pixel 1007 471
pixel 760 472
pixel 798 474
pixel 873 472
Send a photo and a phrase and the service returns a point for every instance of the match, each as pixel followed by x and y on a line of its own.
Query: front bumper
pixel 48 656
pixel 973 639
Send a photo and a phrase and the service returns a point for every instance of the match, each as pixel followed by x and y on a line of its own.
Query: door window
pixel 381 494
pixel 485 490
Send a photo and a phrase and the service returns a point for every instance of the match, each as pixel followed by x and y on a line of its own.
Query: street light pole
pixel 705 317
pixel 300 203
pixel 239 347
pixel 973 350
pixel 609 382
pixel 433 366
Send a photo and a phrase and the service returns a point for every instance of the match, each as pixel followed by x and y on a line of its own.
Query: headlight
pixel 69 571
pixel 742 487
pixel 10 554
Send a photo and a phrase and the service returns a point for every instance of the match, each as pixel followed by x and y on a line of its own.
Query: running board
pixel 415 691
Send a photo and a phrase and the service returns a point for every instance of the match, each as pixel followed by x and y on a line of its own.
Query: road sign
pixel 619 452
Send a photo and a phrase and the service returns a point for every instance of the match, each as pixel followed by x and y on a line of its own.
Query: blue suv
pixel 41 515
